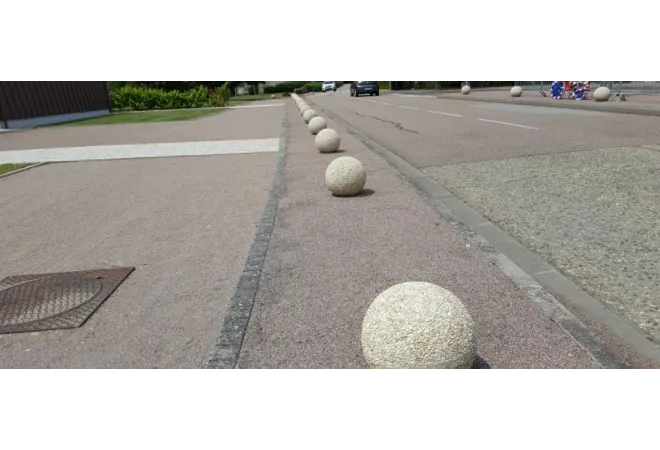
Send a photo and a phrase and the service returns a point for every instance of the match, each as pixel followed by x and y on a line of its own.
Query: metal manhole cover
pixel 55 300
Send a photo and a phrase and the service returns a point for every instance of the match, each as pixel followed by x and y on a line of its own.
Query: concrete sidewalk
pixel 186 224
pixel 328 258
pixel 233 124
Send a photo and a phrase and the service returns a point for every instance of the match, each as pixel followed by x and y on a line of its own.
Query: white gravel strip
pixel 130 151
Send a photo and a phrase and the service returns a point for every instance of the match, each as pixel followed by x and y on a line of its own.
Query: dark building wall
pixel 20 100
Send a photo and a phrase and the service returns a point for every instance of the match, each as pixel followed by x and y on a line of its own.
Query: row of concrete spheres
pixel 345 176
pixel 411 325
pixel 601 94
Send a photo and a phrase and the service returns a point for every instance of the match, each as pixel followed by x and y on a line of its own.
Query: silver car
pixel 329 86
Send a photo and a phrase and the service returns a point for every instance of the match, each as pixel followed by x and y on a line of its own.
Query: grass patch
pixel 142 117
pixel 239 99
pixel 6 168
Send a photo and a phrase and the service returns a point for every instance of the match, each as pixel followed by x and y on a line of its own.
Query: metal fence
pixel 30 99
pixel 624 87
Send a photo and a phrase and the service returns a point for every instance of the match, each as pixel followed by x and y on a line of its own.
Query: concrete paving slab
pixel 593 215
pixel 132 151
pixel 186 224
pixel 329 257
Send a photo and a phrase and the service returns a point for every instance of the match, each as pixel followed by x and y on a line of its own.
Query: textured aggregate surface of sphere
pixel 516 91
pixel 465 90
pixel 308 115
pixel 602 94
pixel 418 325
pixel 345 176
pixel 317 124
pixel 327 141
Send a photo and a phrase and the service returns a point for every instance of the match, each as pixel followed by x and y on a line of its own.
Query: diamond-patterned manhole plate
pixel 53 301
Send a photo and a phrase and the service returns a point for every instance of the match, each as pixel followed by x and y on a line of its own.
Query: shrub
pixel 140 99
pixel 288 86
pixel 314 86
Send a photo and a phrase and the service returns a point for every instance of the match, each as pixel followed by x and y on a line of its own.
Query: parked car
pixel 364 87
pixel 329 86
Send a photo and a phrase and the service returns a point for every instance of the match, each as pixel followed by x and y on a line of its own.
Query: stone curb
pixel 228 345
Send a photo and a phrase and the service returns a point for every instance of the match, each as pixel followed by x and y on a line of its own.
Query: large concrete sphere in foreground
pixel 417 325
pixel 465 90
pixel 602 94
pixel 516 91
pixel 327 141
pixel 317 124
pixel 308 115
pixel 345 176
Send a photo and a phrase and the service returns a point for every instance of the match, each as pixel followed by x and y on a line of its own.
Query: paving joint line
pixel 536 291
pixel 229 343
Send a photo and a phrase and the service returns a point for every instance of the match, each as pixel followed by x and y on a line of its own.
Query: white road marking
pixel 444 113
pixel 408 107
pixel 510 124
pixel 371 101
pixel 388 104
pixel 131 151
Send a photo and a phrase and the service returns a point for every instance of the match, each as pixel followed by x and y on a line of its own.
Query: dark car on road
pixel 364 87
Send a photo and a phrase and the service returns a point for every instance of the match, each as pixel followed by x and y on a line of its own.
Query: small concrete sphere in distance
pixel 516 91
pixel 602 94
pixel 418 325
pixel 327 141
pixel 317 124
pixel 303 108
pixel 345 176
pixel 308 115
pixel 465 90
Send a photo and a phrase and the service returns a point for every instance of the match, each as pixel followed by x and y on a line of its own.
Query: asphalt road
pixel 579 188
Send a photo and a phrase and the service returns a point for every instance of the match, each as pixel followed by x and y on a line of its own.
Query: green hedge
pixel 140 99
pixel 290 86
pixel 287 86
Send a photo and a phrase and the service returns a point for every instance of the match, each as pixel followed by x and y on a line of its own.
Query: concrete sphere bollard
pixel 417 325
pixel 272 96
pixel 317 124
pixel 602 94
pixel 304 107
pixel 309 115
pixel 465 90
pixel 327 141
pixel 516 91
pixel 345 176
